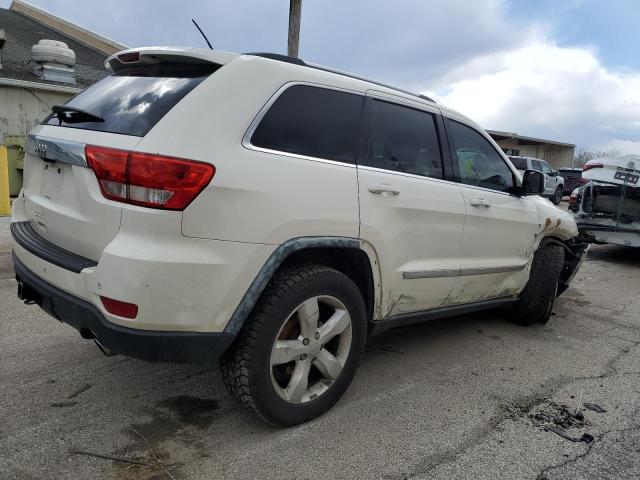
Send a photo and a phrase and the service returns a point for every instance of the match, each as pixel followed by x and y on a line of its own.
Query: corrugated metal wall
pixel 555 155
pixel 22 109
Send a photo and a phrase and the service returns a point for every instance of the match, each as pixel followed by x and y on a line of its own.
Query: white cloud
pixel 542 89
pixel 502 71
pixel 624 146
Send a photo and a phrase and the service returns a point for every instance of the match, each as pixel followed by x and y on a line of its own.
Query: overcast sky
pixel 567 70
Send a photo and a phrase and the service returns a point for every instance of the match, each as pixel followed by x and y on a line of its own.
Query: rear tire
pixel 309 324
pixel 538 297
pixel 557 196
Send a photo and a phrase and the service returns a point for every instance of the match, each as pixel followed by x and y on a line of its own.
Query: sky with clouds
pixel 566 70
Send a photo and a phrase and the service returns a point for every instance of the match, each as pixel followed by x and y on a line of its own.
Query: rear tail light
pixel 148 180
pixel 130 57
pixel 583 181
pixel 573 199
pixel 119 308
pixel 591 164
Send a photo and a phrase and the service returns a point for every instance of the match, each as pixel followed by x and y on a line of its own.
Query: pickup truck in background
pixel 553 182
pixel 572 179
pixel 607 209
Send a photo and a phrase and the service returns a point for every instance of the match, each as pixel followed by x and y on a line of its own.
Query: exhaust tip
pixel 106 351
pixel 26 294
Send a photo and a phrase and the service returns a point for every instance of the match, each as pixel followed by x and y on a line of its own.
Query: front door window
pixel 479 164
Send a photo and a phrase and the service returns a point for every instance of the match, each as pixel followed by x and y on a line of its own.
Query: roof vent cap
pixel 54 61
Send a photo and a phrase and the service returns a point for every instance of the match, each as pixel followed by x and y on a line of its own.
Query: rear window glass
pixel 132 100
pixel 403 139
pixel 314 122
pixel 519 163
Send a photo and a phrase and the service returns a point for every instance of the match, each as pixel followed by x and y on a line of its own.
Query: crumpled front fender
pixel 554 222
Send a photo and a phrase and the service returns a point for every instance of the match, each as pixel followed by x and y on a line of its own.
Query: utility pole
pixel 295 11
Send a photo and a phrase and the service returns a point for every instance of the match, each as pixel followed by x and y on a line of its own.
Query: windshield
pixel 132 100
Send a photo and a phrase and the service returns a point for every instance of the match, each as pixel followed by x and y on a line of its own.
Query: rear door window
pixel 312 122
pixel 519 162
pixel 132 101
pixel 402 139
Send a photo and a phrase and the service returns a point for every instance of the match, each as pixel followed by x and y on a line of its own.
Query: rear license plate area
pixel 627 177
pixel 51 180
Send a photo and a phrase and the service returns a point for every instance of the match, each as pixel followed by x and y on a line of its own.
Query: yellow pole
pixel 5 206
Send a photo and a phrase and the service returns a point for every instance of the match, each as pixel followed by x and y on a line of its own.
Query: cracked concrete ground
pixel 458 398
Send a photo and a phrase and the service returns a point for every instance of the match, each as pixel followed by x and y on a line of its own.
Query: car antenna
pixel 202 33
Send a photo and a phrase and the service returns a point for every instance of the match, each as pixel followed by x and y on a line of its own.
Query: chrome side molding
pixel 461 272
pixel 56 150
pixel 455 272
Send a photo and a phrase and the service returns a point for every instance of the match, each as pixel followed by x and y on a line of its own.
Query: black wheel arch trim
pixel 576 251
pixel 271 266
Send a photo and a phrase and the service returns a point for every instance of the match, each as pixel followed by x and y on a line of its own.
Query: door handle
pixel 383 189
pixel 479 202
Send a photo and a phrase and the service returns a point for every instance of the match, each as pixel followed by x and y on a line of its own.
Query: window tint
pixel 519 162
pixel 132 100
pixel 403 139
pixel 311 121
pixel 478 162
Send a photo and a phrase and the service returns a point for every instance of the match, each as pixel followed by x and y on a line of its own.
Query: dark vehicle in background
pixel 607 208
pixel 572 179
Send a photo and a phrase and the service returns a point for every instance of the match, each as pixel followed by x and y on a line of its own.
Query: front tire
pixel 299 349
pixel 557 196
pixel 538 297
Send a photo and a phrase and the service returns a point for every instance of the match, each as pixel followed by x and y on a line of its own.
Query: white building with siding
pixel 557 154
pixel 25 98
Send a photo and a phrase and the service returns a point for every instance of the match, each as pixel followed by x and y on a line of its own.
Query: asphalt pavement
pixel 470 397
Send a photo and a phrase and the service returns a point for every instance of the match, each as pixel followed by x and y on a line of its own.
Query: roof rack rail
pixel 296 61
pixel 278 56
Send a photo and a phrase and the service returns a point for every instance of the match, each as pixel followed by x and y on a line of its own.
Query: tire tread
pixel 236 364
pixel 543 280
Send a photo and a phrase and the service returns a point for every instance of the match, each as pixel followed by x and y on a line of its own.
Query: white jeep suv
pixel 198 205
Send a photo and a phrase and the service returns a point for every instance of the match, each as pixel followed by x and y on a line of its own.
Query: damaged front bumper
pixel 576 252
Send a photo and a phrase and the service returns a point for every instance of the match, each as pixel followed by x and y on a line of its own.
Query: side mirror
pixel 532 182
pixel 554 173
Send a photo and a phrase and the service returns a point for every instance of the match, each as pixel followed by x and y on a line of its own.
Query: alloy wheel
pixel 311 349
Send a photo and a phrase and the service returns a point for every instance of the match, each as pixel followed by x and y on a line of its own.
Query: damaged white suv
pixel 197 205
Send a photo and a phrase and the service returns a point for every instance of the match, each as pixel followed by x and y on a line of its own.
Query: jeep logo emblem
pixel 40 148
pixel 631 164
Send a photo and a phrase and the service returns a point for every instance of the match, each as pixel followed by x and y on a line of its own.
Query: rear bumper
pixel 152 346
pixel 628 237
pixel 25 236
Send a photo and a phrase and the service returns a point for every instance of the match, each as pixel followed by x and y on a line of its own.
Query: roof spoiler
pixel 155 55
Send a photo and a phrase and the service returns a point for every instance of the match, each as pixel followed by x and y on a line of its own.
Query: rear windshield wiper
pixel 68 114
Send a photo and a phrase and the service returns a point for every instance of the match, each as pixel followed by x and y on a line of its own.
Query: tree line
pixel 583 155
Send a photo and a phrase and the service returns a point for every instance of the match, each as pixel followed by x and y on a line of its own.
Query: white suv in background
pixel 197 205
pixel 553 182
